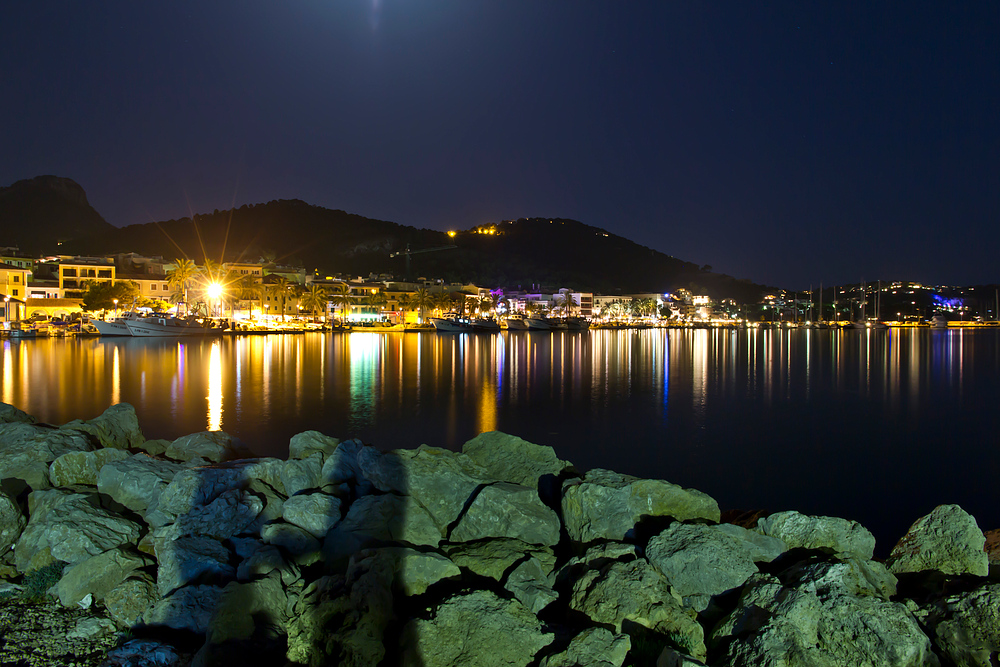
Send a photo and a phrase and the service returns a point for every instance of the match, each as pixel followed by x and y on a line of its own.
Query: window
pixel 17 279
pixel 13 292
pixel 164 287
pixel 152 288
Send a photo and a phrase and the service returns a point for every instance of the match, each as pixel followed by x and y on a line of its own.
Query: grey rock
pixel 91 628
pixel 227 515
pixel 508 510
pixel 129 600
pixel 801 625
pixel 189 608
pixel 829 534
pixel 142 653
pixel 274 505
pixel 66 526
pixel 594 647
pixel 157 447
pixel 209 445
pixel 413 572
pixel 98 575
pixel 199 486
pixel 136 482
pixel 27 449
pixel 671 658
pixel 82 468
pixel 947 540
pixel 606 505
pixel 117 427
pixel 263 560
pixel 623 593
pixel 301 475
pixel 511 459
pixel 531 585
pixel 303 445
pixel 315 512
pixel 12 522
pixel 342 465
pixel 189 560
pixel 763 549
pixel 440 480
pixel 967 629
pixel 11 415
pixel 475 629
pixel 298 543
pixel 241 603
pixel 700 560
pixel 383 518
pixel 493 558
pixel 847 576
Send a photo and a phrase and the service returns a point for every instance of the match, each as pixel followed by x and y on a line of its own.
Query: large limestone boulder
pixel 763 549
pixel 316 513
pixel 947 540
pixel 241 604
pixel 298 543
pixel 209 445
pixel 605 505
pixel 12 522
pixel 493 558
pixel 227 515
pixel 136 481
pixel 27 449
pixel 700 561
pixel 388 518
pixel 829 534
pixel 816 622
pixel 301 475
pixel 503 509
pixel 117 427
pixel 475 629
pixel 594 647
pixel 342 465
pixel 622 594
pixel 303 445
pixel 68 527
pixel 98 575
pixel 414 571
pixel 188 560
pixel 531 583
pixel 129 600
pixel 10 415
pixel 82 468
pixel 511 459
pixel 967 627
pixel 189 608
pixel 440 480
pixel 199 486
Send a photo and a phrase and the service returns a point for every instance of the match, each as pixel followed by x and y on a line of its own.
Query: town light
pixel 214 290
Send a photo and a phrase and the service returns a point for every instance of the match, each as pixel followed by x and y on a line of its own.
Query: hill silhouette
pixel 38 213
pixel 525 253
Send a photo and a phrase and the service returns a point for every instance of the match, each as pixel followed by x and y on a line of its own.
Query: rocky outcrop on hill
pixel 501 554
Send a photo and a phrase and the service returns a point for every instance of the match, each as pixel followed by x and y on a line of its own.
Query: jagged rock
pixel 475 629
pixel 300 475
pixel 303 445
pixel 227 515
pixel 142 653
pixel 947 540
pixel 26 450
pixel 156 447
pixel 129 600
pixel 11 415
pixel 240 604
pixel 262 559
pixel 508 510
pixel 594 647
pixel 12 521
pixel 82 467
pixel 117 427
pixel 493 558
pixel 622 593
pixel 194 487
pixel 815 623
pixel 511 459
pixel 189 608
pixel 298 543
pixel 763 549
pixel 967 628
pixel 387 518
pixel 849 576
pixel 828 534
pixel 700 561
pixel 274 505
pixel 441 481
pixel 66 526
pixel 671 658
pixel 137 481
pixel 413 572
pixel 530 584
pixel 189 560
pixel 314 512
pixel 90 628
pixel 214 446
pixel 342 465
pixel 606 505
pixel 98 575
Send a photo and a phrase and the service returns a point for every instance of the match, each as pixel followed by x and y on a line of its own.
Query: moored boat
pixel 515 323
pixel 537 324
pixel 111 327
pixel 450 324
pixel 169 326
pixel 485 324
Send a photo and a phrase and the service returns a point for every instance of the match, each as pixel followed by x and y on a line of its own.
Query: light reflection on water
pixel 852 423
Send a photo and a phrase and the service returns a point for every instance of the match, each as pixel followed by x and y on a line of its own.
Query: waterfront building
pixel 150 286
pixel 13 283
pixel 53 308
pixel 73 273
pixel 43 289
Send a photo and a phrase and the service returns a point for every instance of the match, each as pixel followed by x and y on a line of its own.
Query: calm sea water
pixel 877 426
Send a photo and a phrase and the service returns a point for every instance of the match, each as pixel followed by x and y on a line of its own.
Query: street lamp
pixel 116 308
pixel 6 309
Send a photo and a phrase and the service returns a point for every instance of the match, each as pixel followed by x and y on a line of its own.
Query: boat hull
pixel 111 328
pixel 515 324
pixel 536 324
pixel 442 325
pixel 156 326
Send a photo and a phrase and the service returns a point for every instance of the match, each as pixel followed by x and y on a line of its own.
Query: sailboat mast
pixel 821 302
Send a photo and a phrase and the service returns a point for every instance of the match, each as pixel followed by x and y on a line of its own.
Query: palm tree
pixel 485 304
pixel 279 288
pixel 405 303
pixel 421 299
pixel 183 271
pixel 565 301
pixel 315 299
pixel 249 289
pixel 340 297
pixel 378 300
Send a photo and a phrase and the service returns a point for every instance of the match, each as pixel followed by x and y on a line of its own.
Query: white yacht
pixel 159 325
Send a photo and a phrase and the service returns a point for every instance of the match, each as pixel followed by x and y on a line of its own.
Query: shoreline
pixel 499 554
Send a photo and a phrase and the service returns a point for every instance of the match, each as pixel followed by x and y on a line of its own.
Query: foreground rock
pixel 499 555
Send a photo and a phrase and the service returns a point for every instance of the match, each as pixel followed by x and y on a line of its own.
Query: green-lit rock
pixel 594 647
pixel 117 427
pixel 82 468
pixel 829 534
pixel 947 540
pixel 503 509
pixel 98 575
pixel 511 459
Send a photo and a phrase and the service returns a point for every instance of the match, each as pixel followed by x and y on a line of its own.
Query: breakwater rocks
pixel 185 552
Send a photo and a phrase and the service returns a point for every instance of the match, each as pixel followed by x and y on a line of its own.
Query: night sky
pixel 788 145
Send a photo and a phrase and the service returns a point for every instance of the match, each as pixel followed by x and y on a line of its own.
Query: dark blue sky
pixel 786 143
